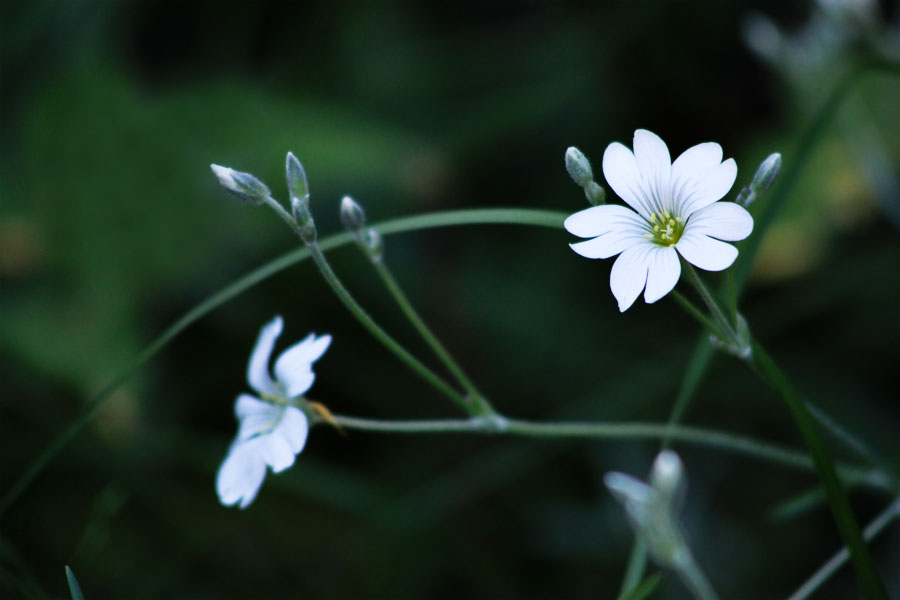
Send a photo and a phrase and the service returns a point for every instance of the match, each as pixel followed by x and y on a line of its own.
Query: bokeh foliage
pixel 111 226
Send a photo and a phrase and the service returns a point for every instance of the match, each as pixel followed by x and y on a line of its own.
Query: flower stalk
pixel 868 577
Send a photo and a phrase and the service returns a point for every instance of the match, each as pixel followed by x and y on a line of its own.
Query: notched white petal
pixel 247 405
pixel 294 427
pixel 294 367
pixel 241 474
pixel 715 185
pixel 663 272
pixel 258 368
pixel 276 451
pixel 629 275
pixel 608 244
pixel 705 252
pixel 623 176
pixel 722 220
pixel 694 163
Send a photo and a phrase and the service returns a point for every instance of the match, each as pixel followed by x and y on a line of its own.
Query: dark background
pixel 112 226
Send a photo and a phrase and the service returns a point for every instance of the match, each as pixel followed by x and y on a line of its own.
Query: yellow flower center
pixel 665 230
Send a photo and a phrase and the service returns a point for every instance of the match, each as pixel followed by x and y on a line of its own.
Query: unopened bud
pixel 578 166
pixel 298 186
pixel 762 180
pixel 352 214
pixel 766 173
pixel 595 194
pixel 241 185
pixel 667 476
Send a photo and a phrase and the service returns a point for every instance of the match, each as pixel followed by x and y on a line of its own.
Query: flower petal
pixel 690 170
pixel 655 164
pixel 608 244
pixel 598 220
pixel 294 367
pixel 714 186
pixel 722 220
pixel 294 427
pixel 706 253
pixel 629 274
pixel 258 368
pixel 663 272
pixel 277 452
pixel 241 474
pixel 623 176
pixel 247 405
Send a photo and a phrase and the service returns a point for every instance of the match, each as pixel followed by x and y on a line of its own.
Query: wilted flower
pixel 271 432
pixel 675 212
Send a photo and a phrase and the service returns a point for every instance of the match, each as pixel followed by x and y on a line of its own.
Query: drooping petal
pixel 663 272
pixel 655 164
pixel 241 474
pixel 294 367
pixel 713 187
pixel 722 220
pixel 294 427
pixel 622 174
pixel 629 274
pixel 598 220
pixel 689 172
pixel 276 451
pixel 258 368
pixel 706 253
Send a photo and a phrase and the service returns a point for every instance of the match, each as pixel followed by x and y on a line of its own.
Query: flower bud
pixel 762 180
pixel 241 185
pixel 667 476
pixel 579 167
pixel 298 186
pixel 766 173
pixel 352 214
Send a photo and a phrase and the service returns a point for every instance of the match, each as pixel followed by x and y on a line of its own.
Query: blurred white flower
pixel 270 432
pixel 676 213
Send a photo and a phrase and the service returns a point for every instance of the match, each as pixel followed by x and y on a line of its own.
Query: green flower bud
pixel 352 214
pixel 241 185
pixel 298 186
pixel 579 167
pixel 766 173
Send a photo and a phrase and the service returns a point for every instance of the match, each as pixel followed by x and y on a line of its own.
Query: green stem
pixel 868 577
pixel 637 562
pixel 695 312
pixel 692 577
pixel 615 431
pixel 478 216
pixel 478 404
pixel 732 295
pixel 361 315
pixel 837 561
pixel 724 327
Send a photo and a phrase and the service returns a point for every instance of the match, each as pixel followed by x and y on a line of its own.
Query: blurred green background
pixel 112 226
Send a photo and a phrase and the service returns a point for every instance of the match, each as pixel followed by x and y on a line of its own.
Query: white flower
pixel 270 432
pixel 676 213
